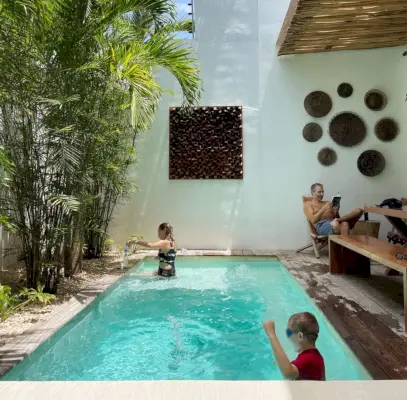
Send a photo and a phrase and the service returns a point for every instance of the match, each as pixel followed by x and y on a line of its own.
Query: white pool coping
pixel 213 390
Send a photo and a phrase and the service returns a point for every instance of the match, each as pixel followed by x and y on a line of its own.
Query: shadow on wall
pixel 205 214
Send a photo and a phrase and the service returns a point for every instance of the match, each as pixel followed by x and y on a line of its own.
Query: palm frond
pixel 69 204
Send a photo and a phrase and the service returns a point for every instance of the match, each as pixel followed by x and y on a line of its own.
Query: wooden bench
pixel 352 255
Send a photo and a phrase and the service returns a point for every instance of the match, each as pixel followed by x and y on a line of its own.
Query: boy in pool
pixel 303 331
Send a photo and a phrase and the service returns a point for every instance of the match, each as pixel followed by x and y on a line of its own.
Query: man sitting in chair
pixel 325 217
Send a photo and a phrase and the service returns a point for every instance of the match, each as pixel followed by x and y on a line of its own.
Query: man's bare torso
pixel 328 214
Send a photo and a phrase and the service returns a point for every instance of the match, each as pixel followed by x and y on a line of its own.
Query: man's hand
pixel 336 211
pixel 327 206
pixel 335 223
pixel 269 328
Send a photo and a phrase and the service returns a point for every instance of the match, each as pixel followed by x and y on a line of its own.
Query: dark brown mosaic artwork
pixel 345 90
pixel 371 163
pixel 386 129
pixel 347 129
pixel 327 156
pixel 375 100
pixel 318 104
pixel 206 143
pixel 312 132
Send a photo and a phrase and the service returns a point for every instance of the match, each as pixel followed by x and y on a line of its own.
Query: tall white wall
pixel 235 43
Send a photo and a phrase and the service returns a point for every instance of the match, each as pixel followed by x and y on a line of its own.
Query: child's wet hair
pixel 167 229
pixel 307 324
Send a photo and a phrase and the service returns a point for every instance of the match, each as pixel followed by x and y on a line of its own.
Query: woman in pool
pixel 167 250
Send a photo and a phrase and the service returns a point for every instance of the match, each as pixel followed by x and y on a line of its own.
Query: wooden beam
pixel 292 9
pixel 316 49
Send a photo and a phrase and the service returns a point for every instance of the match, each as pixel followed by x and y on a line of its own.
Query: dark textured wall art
pixel 371 163
pixel 375 100
pixel 327 156
pixel 347 129
pixel 312 132
pixel 206 143
pixel 386 129
pixel 318 104
pixel 345 90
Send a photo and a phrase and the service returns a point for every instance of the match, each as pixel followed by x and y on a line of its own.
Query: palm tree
pixel 73 71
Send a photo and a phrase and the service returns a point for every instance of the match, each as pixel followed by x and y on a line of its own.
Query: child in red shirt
pixel 303 331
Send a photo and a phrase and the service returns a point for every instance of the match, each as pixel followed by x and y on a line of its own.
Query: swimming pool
pixel 204 325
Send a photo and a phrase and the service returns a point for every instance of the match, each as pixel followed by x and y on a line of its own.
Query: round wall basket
pixel 347 129
pixel 345 90
pixel 327 157
pixel 318 104
pixel 375 100
pixel 371 163
pixel 386 129
pixel 312 132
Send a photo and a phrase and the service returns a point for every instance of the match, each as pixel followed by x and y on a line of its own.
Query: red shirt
pixel 311 366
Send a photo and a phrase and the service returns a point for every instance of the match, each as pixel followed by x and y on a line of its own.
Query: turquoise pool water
pixel 204 325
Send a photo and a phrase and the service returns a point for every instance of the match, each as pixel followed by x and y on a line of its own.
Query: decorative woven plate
pixel 327 156
pixel 318 104
pixel 375 100
pixel 347 129
pixel 371 163
pixel 345 90
pixel 312 132
pixel 386 129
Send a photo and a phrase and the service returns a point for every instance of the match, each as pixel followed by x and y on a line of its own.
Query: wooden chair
pixel 318 242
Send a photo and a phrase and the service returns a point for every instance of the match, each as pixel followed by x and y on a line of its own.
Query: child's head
pixel 303 330
pixel 165 231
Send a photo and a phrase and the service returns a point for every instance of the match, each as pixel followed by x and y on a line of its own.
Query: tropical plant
pixel 36 296
pixel 133 243
pixel 10 303
pixel 7 300
pixel 76 88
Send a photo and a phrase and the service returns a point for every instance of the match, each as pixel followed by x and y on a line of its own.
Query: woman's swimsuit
pixel 169 259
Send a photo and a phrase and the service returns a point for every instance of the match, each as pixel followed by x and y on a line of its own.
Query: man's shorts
pixel 324 228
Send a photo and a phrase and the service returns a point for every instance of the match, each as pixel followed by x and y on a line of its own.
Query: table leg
pixel 355 263
pixel 343 260
pixel 336 265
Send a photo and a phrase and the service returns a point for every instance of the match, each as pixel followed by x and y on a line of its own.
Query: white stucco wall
pixel 235 42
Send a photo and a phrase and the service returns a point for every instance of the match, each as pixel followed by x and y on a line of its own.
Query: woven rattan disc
pixel 318 104
pixel 345 90
pixel 312 132
pixel 386 129
pixel 375 100
pixel 327 156
pixel 347 129
pixel 371 163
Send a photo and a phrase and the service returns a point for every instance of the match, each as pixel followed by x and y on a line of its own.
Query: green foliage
pixel 10 303
pixel 108 244
pixel 132 243
pixel 37 296
pixel 7 300
pixel 77 86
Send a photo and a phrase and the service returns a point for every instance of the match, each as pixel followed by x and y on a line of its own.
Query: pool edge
pixel 26 343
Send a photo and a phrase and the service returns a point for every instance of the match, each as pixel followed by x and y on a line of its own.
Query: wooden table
pixel 352 255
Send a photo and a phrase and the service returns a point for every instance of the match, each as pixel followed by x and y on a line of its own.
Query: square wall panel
pixel 206 143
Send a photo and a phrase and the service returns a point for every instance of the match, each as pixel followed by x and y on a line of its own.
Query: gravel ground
pixel 24 318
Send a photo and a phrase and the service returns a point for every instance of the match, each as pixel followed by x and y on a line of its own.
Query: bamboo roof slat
pixel 313 26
